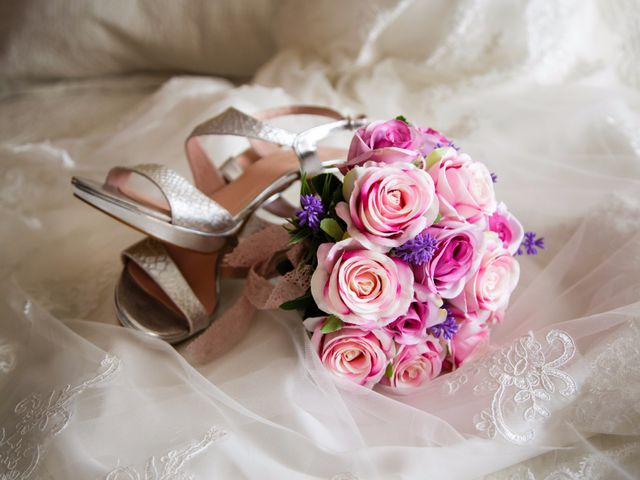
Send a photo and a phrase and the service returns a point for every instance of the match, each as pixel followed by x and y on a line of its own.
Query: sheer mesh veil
pixel 544 96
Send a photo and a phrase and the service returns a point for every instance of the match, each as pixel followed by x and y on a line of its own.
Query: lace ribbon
pixel 257 256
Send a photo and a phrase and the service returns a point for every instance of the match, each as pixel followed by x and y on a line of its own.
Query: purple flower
pixel 446 329
pixel 418 250
pixel 456 258
pixel 494 177
pixel 447 144
pixel 312 210
pixel 531 244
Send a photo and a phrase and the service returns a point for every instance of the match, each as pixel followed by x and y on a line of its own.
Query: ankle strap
pixel 306 143
pixel 264 148
pixel 261 135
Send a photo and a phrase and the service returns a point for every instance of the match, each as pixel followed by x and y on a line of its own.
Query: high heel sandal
pixel 170 283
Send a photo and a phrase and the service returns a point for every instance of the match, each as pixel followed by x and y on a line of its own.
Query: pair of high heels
pixel 170 283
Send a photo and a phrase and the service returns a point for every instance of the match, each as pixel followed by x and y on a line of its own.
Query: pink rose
pixel 508 228
pixel 360 286
pixel 464 187
pixel 471 335
pixel 387 204
pixel 488 291
pixel 411 328
pixel 457 258
pixel 415 365
pixel 385 142
pixel 430 140
pixel 356 355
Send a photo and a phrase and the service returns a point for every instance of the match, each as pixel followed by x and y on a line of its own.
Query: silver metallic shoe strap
pixel 263 137
pixel 230 122
pixel 152 257
pixel 306 143
pixel 189 207
pixel 235 122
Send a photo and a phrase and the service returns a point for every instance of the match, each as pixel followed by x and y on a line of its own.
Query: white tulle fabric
pixel 544 95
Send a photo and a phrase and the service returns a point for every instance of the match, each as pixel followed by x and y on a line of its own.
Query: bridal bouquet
pixel 412 257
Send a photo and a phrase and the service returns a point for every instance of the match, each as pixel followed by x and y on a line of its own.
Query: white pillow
pixel 77 38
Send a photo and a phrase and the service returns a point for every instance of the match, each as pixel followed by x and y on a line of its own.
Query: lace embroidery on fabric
pixel 39 418
pixel 170 466
pixel 593 466
pixel 611 393
pixel 522 380
pixel 596 465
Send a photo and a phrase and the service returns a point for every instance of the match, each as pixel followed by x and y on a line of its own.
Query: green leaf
pixel 349 183
pixel 331 324
pixel 317 183
pixel 305 186
pixel 311 253
pixel 420 162
pixel 337 196
pixel 326 185
pixel 298 236
pixel 435 156
pixel 299 303
pixel 402 118
pixel 332 228
pixel 389 371
pixel 438 218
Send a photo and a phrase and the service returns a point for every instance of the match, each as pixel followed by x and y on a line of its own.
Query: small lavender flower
pixel 418 250
pixel 312 210
pixel 450 144
pixel 494 177
pixel 530 244
pixel 446 329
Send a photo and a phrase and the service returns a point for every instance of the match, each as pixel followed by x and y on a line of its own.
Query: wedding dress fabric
pixel 545 95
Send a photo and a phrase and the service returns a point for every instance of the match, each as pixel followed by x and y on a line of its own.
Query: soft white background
pixel 544 92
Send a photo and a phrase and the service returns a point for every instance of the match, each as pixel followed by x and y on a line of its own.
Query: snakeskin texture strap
pixel 234 166
pixel 151 256
pixel 230 122
pixel 263 137
pixel 189 207
pixel 235 122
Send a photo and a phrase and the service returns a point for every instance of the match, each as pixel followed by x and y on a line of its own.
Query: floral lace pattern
pixel 523 379
pixel 611 394
pixel 601 465
pixel 38 419
pixel 171 465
